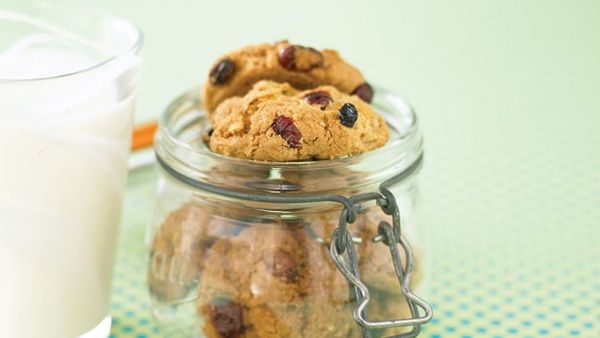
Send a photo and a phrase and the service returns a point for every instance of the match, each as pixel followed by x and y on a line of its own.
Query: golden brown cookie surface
pixel 302 67
pixel 275 122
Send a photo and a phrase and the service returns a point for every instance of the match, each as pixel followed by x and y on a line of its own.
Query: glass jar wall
pixel 241 248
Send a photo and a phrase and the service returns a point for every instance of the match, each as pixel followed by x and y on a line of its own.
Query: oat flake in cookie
pixel 275 122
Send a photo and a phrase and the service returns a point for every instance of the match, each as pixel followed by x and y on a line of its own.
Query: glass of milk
pixel 68 82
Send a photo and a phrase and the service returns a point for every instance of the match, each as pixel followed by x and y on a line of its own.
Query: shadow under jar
pixel 242 248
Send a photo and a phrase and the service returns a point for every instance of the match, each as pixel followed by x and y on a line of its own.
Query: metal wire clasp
pixel 341 243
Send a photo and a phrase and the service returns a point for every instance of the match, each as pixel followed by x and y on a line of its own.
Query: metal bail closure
pixel 348 266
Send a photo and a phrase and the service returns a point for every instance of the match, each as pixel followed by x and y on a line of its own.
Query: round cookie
pixel 280 281
pixel 275 122
pixel 235 73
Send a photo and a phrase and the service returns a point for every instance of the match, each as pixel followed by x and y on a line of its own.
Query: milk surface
pixel 63 151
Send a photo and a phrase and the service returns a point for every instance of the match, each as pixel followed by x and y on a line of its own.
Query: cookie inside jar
pixel 228 256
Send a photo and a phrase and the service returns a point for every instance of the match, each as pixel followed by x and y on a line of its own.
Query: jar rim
pixel 400 153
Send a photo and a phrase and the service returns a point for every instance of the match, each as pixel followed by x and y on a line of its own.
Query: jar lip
pixel 409 140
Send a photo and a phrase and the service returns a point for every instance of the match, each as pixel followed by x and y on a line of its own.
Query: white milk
pixel 63 152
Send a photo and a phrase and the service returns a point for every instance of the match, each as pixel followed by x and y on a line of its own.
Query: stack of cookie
pixel 286 102
pixel 275 277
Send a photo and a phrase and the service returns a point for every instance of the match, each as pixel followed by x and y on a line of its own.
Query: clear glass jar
pixel 241 248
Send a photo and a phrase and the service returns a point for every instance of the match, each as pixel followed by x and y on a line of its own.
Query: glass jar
pixel 242 248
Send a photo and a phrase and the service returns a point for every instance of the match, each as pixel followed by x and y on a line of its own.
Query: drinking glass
pixel 68 83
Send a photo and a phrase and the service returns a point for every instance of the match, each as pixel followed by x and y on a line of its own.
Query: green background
pixel 508 95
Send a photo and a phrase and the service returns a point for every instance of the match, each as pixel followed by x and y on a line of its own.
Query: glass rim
pixel 132 48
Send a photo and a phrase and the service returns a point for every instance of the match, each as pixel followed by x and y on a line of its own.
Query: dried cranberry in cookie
pixel 286 57
pixel 364 91
pixel 226 318
pixel 222 72
pixel 319 97
pixel 285 127
pixel 281 265
pixel 299 58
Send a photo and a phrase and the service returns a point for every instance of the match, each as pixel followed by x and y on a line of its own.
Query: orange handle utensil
pixel 143 135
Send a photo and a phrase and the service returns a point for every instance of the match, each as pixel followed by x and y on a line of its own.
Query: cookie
pixel 275 122
pixel 235 73
pixel 284 284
